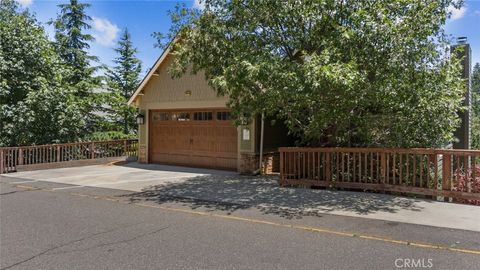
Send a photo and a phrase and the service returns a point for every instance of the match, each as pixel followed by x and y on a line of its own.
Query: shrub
pixel 464 178
pixel 109 135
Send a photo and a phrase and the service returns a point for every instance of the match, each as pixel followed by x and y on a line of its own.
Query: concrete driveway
pixel 232 192
pixel 131 176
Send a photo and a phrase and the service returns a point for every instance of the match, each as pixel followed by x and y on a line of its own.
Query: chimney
pixel 463 132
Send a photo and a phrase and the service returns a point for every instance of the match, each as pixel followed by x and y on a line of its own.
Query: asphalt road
pixel 54 226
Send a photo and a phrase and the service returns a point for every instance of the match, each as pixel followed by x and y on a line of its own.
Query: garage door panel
pixel 226 163
pixel 202 161
pixel 171 158
pixel 207 154
pixel 201 140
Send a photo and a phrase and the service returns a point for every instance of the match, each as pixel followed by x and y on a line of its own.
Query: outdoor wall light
pixel 188 93
pixel 140 119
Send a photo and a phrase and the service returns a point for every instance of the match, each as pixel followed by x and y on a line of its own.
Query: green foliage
pixel 49 115
pixel 339 73
pixel 476 107
pixel 109 135
pixel 122 81
pixel 35 106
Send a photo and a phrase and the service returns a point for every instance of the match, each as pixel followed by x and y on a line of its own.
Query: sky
pixel 143 17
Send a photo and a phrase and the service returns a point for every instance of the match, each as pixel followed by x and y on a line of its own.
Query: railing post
pixel 125 147
pixel 446 172
pixel 20 156
pixel 92 150
pixel 135 147
pixel 58 153
pixel 282 173
pixel 328 171
pixel 467 178
pixel 383 169
pixel 2 161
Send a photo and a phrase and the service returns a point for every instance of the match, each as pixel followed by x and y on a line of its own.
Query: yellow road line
pixel 28 187
pixel 271 223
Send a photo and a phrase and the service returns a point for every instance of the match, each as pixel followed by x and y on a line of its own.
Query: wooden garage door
pixel 197 138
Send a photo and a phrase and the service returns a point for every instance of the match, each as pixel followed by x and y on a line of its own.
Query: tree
pixel 72 44
pixel 36 107
pixel 122 80
pixel 338 73
pixel 476 107
pixel 71 41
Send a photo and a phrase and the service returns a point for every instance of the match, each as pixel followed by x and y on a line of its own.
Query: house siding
pixel 164 92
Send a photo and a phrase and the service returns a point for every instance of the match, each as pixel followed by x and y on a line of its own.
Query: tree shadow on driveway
pixel 234 192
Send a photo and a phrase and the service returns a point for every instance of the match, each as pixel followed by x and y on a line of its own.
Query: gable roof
pixel 150 74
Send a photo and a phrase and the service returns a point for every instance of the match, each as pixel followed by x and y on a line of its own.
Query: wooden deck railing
pixel 11 157
pixel 434 172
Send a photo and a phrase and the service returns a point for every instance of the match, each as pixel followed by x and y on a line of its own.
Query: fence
pixel 434 172
pixel 11 157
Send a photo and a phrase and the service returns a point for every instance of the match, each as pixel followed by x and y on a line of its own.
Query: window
pixel 202 116
pixel 161 116
pixel 181 116
pixel 223 116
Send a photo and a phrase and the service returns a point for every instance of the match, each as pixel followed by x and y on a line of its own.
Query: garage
pixel 183 121
pixel 194 137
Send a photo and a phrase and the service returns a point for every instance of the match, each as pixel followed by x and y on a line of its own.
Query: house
pixel 186 123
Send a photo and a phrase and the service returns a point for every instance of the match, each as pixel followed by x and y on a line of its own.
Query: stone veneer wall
pixel 142 153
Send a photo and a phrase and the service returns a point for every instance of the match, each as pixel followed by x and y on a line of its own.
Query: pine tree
pixel 122 80
pixel 72 43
